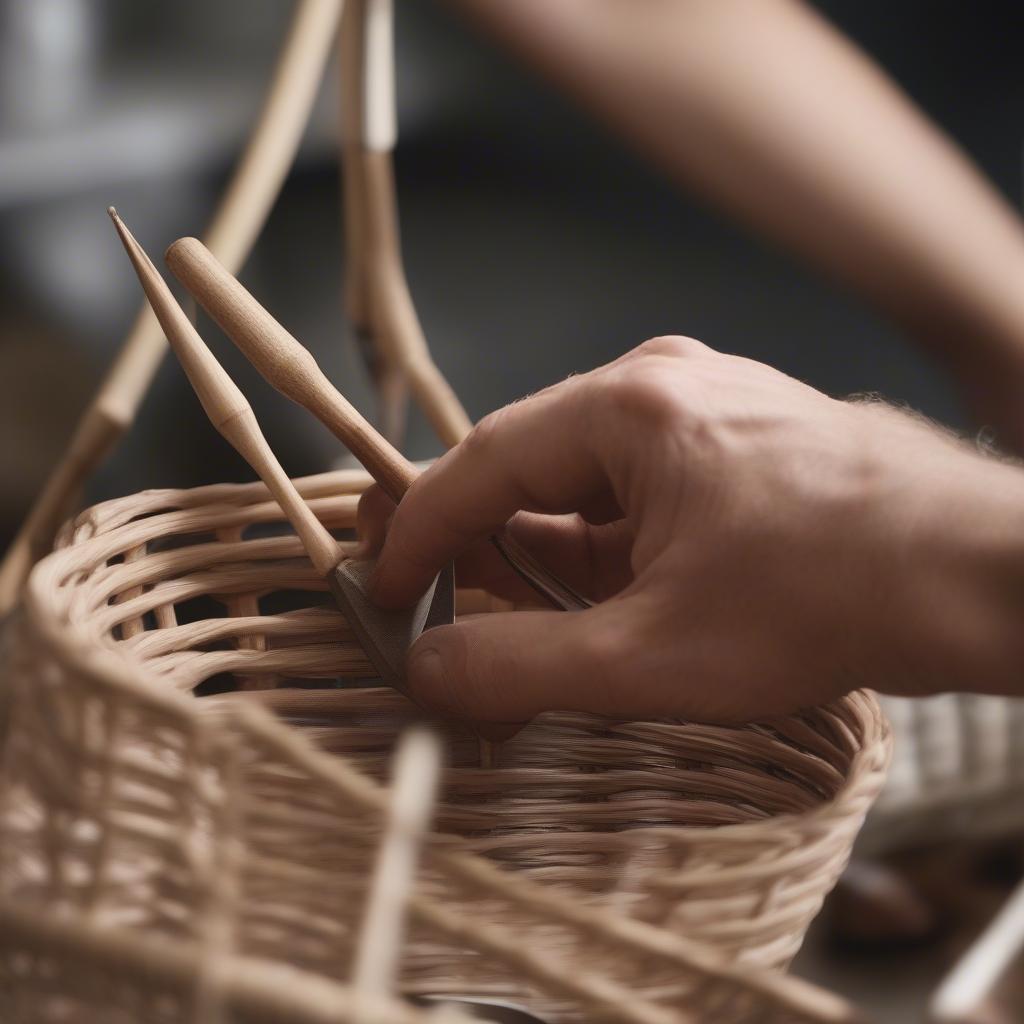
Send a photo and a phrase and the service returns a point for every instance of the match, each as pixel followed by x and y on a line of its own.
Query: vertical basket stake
pixel 417 769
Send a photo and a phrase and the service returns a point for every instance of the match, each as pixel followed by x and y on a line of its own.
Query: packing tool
pixel 385 635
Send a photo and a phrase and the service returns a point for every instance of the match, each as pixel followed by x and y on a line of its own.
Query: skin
pixel 768 111
pixel 755 547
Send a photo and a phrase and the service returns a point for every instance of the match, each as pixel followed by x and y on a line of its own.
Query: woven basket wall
pixel 130 805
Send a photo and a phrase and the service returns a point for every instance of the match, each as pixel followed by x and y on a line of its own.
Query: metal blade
pixel 555 591
pixel 387 635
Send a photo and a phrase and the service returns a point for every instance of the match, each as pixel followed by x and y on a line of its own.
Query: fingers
pixel 508 667
pixel 630 658
pixel 592 559
pixel 535 455
pixel 373 513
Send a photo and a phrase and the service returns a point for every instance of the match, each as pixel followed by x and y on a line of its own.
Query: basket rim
pixel 131 674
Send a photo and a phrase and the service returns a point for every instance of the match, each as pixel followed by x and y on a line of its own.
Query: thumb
pixel 510 666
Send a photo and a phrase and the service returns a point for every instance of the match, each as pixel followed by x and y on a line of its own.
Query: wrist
pixel 964 618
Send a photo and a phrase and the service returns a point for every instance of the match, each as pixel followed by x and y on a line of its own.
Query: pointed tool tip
pixel 119 225
pixel 136 253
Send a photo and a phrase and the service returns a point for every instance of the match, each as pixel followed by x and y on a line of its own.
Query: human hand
pixel 756 547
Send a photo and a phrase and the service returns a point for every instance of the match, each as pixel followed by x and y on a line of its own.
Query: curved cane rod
pixel 255 185
pixel 369 123
pixel 377 292
pixel 360 20
pixel 379 302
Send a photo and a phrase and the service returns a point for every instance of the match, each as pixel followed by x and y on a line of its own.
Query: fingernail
pixel 426 678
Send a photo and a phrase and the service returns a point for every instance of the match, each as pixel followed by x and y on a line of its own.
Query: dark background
pixel 535 244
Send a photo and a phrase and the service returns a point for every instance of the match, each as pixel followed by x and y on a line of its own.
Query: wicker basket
pixel 130 807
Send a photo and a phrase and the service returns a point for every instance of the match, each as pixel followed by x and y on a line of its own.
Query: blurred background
pixel 536 245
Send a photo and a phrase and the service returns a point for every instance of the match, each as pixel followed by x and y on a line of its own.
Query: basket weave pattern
pixel 669 854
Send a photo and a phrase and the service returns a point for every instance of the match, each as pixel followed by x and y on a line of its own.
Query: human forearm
pixel 960 625
pixel 772 113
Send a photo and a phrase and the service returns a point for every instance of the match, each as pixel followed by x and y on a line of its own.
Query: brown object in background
pixel 875 908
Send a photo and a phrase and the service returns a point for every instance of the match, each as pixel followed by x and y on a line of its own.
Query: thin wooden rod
pixel 257 180
pixel 377 296
pixel 414 786
pixel 227 408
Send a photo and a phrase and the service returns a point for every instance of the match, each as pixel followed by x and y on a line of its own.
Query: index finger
pixel 536 455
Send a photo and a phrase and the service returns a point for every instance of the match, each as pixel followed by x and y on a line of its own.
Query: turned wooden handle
pixel 227 407
pixel 284 362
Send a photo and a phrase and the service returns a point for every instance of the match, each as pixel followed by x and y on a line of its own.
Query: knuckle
pixel 482 437
pixel 375 504
pixel 643 394
pixel 675 345
pixel 649 389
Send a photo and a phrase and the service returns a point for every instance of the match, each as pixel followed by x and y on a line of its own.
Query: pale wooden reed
pixel 417 768
pixel 376 288
pixel 237 221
